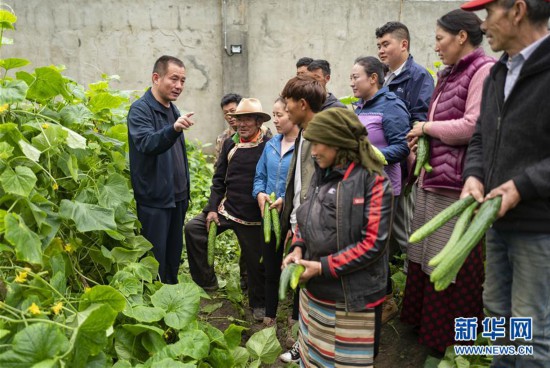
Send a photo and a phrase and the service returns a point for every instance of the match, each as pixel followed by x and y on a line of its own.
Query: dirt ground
pixel 398 347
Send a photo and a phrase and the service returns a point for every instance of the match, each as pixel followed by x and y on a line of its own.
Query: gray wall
pixel 125 37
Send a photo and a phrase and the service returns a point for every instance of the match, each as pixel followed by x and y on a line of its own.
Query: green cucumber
pixel 441 218
pixel 267 223
pixel 284 280
pixel 276 223
pixel 422 153
pixel 459 229
pixel 212 232
pixel 446 271
pixel 295 276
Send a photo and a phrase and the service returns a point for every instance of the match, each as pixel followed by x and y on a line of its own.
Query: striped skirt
pixel 330 337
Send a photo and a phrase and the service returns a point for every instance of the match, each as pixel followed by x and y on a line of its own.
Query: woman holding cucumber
pixel 271 172
pixel 341 240
pixel 452 115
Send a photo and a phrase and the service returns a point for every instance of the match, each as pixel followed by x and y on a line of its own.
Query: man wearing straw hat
pixel 231 206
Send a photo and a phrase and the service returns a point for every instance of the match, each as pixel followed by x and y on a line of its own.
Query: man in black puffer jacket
pixel 509 156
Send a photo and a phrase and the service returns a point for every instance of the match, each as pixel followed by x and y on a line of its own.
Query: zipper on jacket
pixel 497 136
pixel 338 242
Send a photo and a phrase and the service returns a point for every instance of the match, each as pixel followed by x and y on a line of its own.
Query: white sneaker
pixel 293 355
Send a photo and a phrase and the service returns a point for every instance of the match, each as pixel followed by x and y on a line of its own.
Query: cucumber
pixel 422 153
pixel 459 229
pixel 284 280
pixel 442 217
pixel 276 223
pixel 267 223
pixel 446 271
pixel 428 167
pixel 295 276
pixel 212 232
pixel 379 155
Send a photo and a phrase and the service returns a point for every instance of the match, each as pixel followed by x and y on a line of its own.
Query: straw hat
pixel 251 106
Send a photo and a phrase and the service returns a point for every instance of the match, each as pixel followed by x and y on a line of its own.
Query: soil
pixel 398 346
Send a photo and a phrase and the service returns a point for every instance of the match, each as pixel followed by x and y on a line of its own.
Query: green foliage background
pixel 77 282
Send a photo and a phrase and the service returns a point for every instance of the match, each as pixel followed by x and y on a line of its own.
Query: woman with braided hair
pixel 341 240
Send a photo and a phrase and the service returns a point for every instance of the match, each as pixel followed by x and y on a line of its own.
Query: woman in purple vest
pixel 387 121
pixel 452 116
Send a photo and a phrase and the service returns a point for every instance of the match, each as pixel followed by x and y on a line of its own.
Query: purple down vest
pixel 452 86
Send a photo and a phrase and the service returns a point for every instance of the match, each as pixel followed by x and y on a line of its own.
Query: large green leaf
pixel 48 83
pixel 194 344
pixel 87 217
pixel 40 341
pixel 115 192
pixel 12 63
pixel 31 152
pixel 240 356
pixel 180 303
pixel 220 358
pixel 129 347
pixel 75 140
pixel 103 294
pixel 13 91
pixel 69 165
pixel 104 100
pixel 21 182
pixel 233 335
pixel 52 136
pixel 75 115
pixel 6 150
pixel 264 345
pixel 147 314
pixel 91 333
pixel 26 242
pixel 7 19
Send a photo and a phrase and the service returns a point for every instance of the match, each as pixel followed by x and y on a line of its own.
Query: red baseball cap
pixel 475 5
pixel 479 4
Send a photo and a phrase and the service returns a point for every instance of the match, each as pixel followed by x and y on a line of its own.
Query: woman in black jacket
pixel 341 240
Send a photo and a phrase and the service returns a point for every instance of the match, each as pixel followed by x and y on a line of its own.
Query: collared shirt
pixel 392 75
pixel 515 64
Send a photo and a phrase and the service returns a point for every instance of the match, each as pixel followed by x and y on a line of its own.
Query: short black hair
pixel 538 12
pixel 372 65
pixel 397 29
pixel 461 20
pixel 161 65
pixel 307 88
pixel 229 98
pixel 319 64
pixel 304 61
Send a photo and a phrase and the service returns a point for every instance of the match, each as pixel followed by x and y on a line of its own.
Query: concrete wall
pixel 125 37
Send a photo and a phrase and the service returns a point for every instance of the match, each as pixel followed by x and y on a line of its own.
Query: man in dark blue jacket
pixel 413 84
pixel 158 164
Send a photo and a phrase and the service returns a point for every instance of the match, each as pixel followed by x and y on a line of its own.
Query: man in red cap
pixel 509 156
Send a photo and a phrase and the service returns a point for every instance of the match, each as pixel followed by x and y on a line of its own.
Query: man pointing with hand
pixel 158 164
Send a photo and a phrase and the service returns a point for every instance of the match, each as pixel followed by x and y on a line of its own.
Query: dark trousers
pixel 251 243
pixel 272 263
pixel 163 227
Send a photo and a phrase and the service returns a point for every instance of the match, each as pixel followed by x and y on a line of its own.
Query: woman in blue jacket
pixel 387 121
pixel 271 173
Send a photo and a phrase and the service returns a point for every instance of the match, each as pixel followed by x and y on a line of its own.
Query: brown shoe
pixel 389 309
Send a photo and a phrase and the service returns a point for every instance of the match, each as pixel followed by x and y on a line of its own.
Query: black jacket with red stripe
pixel 344 223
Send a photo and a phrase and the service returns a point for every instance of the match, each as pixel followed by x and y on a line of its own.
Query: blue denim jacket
pixel 272 169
